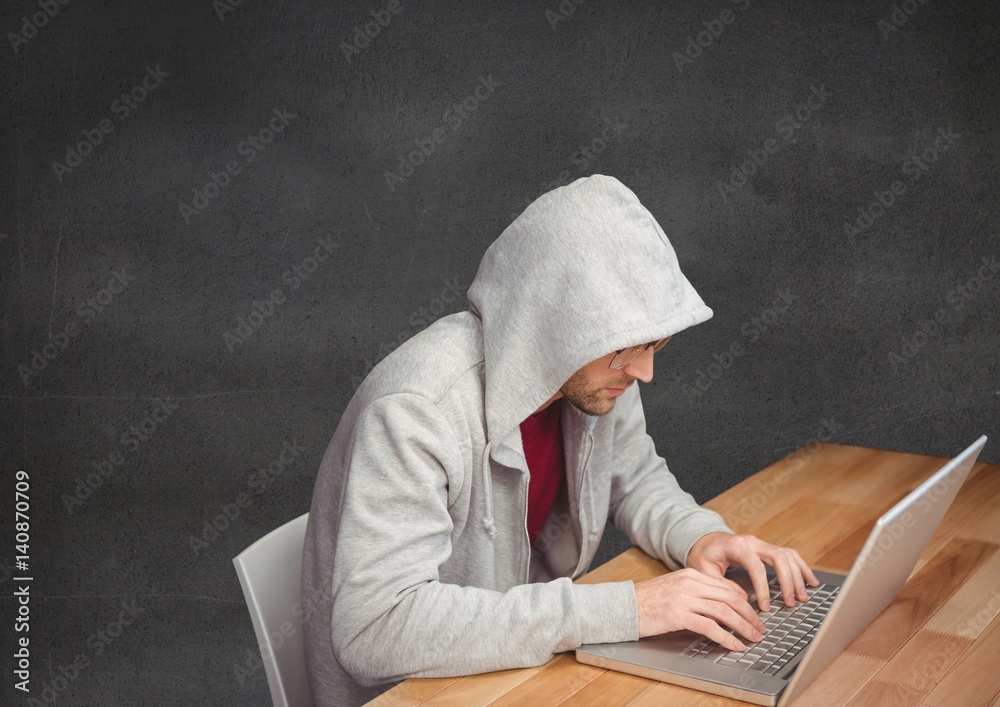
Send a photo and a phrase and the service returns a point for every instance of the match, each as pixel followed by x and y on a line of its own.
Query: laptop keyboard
pixel 787 630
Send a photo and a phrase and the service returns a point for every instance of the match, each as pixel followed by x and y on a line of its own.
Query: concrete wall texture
pixel 216 217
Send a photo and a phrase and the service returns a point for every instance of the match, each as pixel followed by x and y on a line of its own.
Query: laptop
pixel 799 642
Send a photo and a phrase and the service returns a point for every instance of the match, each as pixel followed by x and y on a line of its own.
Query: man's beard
pixel 591 401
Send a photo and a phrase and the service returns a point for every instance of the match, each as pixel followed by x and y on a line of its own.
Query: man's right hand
pixel 689 599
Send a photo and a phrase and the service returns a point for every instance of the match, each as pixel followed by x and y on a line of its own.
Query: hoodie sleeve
pixel 392 617
pixel 647 504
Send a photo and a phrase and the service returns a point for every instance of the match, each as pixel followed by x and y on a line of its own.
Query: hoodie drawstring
pixel 488 523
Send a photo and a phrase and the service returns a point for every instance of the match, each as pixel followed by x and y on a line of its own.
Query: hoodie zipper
pixel 579 503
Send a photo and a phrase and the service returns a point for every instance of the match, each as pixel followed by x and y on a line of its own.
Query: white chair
pixel 269 572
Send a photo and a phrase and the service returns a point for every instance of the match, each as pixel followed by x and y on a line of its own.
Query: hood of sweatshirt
pixel 583 271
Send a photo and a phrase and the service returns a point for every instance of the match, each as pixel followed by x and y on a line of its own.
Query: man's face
pixel 595 387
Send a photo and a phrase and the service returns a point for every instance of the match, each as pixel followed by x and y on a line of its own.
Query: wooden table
pixel 937 644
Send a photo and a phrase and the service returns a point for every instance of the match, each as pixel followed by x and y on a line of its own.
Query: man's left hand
pixel 714 553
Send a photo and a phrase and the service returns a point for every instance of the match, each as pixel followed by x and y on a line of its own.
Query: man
pixel 519 423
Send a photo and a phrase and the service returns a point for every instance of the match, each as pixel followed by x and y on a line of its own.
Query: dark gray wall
pixel 910 114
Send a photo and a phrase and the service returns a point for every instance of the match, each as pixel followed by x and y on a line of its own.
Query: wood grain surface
pixel 937 644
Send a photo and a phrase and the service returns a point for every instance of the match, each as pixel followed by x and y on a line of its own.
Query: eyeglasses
pixel 624 357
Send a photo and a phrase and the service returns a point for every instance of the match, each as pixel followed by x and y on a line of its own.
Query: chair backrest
pixel 269 572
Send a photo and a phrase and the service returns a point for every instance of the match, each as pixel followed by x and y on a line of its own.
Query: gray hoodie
pixel 417 561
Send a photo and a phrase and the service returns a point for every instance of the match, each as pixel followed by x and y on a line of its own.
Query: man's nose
pixel 642 366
